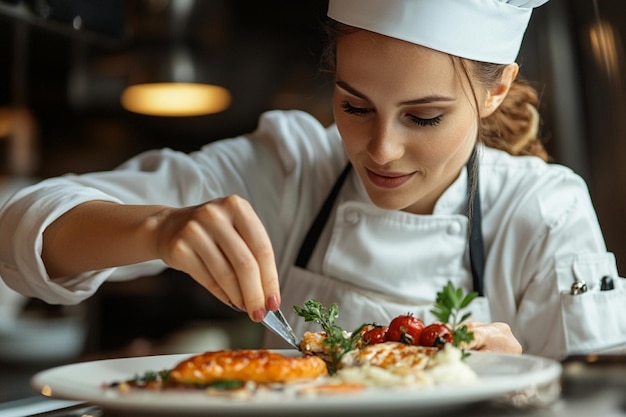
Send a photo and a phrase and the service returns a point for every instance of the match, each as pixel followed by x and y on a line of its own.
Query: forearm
pixel 221 243
pixel 98 235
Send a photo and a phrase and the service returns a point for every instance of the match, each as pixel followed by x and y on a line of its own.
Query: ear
pixel 496 95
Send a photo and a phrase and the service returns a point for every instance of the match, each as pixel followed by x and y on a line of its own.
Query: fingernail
pixel 272 303
pixel 258 315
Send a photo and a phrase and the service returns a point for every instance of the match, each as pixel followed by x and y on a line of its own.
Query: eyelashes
pixel 426 122
pixel 362 111
pixel 349 109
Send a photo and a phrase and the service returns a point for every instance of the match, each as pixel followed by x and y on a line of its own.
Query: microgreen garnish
pixel 448 308
pixel 338 341
pixel 152 377
pixel 160 380
pixel 225 384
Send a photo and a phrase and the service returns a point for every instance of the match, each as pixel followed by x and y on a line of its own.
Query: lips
pixel 388 179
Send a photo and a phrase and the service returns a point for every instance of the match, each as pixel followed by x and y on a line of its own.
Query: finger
pixel 493 337
pixel 255 235
pixel 242 280
pixel 185 244
pixel 246 274
pixel 189 262
pixel 236 251
pixel 220 268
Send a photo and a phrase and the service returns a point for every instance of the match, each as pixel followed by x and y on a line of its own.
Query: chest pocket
pixel 594 317
pixel 593 320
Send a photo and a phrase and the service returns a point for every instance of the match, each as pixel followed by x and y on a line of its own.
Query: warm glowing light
pixel 175 99
pixel 605 48
pixel 46 390
pixel 6 122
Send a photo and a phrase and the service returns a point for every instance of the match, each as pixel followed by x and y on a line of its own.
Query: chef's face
pixel 407 119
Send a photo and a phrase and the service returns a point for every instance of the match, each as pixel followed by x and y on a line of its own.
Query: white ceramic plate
pixel 498 375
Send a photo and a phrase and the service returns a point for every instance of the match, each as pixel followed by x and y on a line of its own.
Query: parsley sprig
pixel 449 306
pixel 337 340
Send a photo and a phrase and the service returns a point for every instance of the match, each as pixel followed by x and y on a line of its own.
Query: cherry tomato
pixel 406 329
pixel 436 335
pixel 376 334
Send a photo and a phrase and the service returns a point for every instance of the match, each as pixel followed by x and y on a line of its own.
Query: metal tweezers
pixel 276 322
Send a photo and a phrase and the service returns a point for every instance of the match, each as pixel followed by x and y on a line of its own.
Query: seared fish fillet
pixel 260 366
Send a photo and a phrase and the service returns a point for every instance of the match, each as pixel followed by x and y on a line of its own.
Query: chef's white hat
pixel 482 30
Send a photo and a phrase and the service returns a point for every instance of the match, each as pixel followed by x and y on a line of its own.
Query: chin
pixel 388 203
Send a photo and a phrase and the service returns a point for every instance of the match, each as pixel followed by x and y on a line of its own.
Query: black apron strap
pixel 476 246
pixel 313 235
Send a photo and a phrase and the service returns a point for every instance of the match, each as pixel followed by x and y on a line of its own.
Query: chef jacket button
pixel 454 228
pixel 352 216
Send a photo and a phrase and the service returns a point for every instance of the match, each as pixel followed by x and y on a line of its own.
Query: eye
pixel 425 122
pixel 350 109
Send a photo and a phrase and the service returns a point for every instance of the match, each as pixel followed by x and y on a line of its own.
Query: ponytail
pixel 514 126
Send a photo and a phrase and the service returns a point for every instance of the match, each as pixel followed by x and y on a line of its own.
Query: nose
pixel 385 145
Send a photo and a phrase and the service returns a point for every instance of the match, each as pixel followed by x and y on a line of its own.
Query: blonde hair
pixel 514 126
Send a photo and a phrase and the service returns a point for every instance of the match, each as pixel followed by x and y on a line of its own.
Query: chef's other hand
pixel 492 337
pixel 224 246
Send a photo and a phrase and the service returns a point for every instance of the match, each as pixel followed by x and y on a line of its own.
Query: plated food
pixel 258 366
pixel 405 352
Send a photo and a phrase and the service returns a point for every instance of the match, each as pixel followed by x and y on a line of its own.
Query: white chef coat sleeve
pixel 568 247
pixel 26 215
pixel 264 167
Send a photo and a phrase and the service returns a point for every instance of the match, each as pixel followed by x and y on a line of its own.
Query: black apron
pixel 476 246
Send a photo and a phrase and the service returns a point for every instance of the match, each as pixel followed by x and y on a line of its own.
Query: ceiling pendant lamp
pixel 173 87
pixel 172 80
pixel 175 99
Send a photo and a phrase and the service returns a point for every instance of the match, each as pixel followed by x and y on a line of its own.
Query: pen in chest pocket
pixel 606 283
pixel 580 287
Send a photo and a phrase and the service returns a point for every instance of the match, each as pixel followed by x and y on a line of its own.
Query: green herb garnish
pixel 338 341
pixel 148 377
pixel 225 384
pixel 161 379
pixel 448 308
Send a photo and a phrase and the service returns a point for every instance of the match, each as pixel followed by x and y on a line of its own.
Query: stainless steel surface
pixel 40 405
pixel 276 322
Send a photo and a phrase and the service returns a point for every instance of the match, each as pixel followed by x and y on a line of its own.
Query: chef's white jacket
pixel 541 234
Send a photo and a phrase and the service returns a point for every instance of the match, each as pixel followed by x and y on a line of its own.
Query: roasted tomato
pixel 436 335
pixel 377 334
pixel 406 329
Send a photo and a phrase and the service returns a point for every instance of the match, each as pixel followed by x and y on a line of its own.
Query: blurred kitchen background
pixel 65 65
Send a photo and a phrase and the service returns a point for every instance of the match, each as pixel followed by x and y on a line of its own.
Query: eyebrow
pixel 422 100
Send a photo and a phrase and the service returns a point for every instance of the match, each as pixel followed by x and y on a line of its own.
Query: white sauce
pixel 445 367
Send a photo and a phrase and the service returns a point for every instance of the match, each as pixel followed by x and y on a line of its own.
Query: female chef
pixel 432 173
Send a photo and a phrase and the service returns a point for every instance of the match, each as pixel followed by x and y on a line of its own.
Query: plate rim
pixel 395 400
